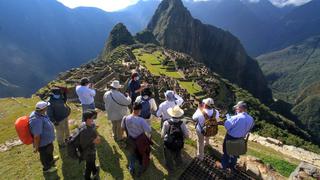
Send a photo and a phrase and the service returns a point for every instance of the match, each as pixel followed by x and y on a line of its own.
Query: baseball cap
pixel 41 105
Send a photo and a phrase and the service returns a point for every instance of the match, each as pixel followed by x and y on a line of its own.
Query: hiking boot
pixel 51 170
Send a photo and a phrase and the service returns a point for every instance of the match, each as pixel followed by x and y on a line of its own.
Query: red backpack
pixel 23 130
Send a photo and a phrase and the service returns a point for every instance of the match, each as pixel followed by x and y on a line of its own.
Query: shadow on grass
pixel 71 169
pixel 159 154
pixel 51 176
pixel 109 159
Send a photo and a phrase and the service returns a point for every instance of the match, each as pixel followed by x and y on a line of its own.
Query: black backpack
pixel 174 139
pixel 73 144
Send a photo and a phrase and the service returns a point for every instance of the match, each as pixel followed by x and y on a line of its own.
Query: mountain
pixel 289 71
pixel 176 74
pixel 293 74
pixel 175 28
pixel 301 23
pixel 40 38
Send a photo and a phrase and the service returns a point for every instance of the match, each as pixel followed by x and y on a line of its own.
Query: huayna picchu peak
pixel 175 28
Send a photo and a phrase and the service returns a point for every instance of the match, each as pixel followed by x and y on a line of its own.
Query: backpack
pixel 73 144
pixel 146 110
pixel 210 127
pixel 174 138
pixel 23 130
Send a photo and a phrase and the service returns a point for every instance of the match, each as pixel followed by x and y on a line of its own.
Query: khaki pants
pixel 202 141
pixel 116 129
pixel 62 131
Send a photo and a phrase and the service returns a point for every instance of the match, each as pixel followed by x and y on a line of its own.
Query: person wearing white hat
pixel 199 117
pixel 42 130
pixel 173 132
pixel 116 105
pixel 172 99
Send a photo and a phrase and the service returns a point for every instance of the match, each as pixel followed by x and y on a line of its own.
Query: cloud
pixel 107 5
pixel 282 3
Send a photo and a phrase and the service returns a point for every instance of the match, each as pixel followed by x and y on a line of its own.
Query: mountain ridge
pixel 175 28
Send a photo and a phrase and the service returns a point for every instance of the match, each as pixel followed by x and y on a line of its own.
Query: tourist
pixel 138 134
pixel 134 86
pixel 86 94
pixel 237 126
pixel 58 112
pixel 42 130
pixel 148 103
pixel 172 99
pixel 88 140
pixel 205 109
pixel 173 132
pixel 116 105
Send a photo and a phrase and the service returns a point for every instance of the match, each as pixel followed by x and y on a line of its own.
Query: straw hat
pixel 176 112
pixel 116 84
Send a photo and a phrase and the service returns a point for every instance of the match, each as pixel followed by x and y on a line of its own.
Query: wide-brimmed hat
pixel 176 111
pixel 241 104
pixel 42 105
pixel 116 84
pixel 209 102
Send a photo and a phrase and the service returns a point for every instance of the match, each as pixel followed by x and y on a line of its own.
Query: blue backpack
pixel 146 110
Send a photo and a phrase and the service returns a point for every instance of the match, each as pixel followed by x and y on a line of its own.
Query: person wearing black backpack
pixel 173 132
pixel 148 103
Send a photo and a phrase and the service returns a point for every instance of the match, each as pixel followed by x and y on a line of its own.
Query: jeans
pixel 90 167
pixel 171 157
pixel 228 161
pixel 46 156
pixel 132 154
pixel 62 131
pixel 87 107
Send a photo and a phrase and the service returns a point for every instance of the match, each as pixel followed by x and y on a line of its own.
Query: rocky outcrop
pixel 291 151
pixel 146 37
pixel 175 28
pixel 118 36
pixel 305 171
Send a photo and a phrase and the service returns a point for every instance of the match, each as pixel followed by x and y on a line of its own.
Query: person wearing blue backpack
pixel 148 103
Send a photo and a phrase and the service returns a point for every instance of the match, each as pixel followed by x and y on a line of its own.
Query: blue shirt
pixel 135 125
pixel 41 125
pixel 132 87
pixel 239 125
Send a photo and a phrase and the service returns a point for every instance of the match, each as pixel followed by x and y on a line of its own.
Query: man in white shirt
pixel 116 105
pixel 198 117
pixel 172 99
pixel 86 94
pixel 148 104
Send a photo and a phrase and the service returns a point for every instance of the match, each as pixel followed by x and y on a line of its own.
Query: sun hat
pixel 116 84
pixel 176 112
pixel 209 102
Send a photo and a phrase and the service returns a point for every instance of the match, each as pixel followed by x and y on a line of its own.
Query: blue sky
pixel 114 5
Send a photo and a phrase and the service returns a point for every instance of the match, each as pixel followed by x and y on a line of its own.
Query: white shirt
pixel 85 94
pixel 164 106
pixel 198 117
pixel 152 102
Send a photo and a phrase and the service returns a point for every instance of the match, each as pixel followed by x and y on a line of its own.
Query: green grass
pixel 282 166
pixel 21 163
pixel 153 63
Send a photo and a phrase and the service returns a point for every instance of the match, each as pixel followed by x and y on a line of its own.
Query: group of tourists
pixel 132 112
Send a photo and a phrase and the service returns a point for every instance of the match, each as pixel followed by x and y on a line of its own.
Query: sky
pixel 114 5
